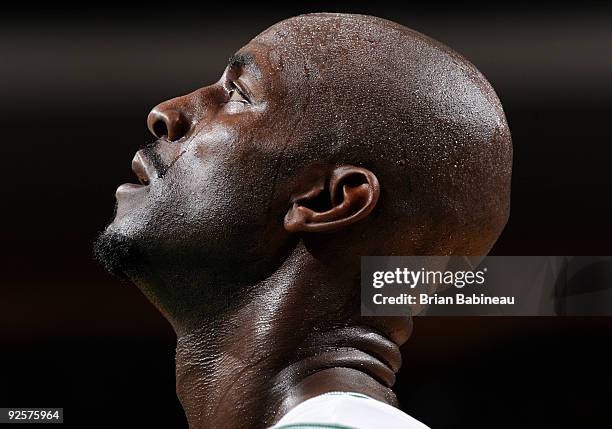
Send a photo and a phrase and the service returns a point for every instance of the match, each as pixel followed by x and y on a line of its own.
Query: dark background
pixel 75 88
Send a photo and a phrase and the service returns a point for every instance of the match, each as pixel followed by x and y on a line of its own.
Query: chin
pixel 116 252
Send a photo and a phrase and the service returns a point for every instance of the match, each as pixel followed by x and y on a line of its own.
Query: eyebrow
pixel 240 60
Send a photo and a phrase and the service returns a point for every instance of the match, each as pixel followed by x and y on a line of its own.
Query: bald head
pixel 365 91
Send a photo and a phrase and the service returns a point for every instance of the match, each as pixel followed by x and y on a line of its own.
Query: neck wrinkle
pixel 279 348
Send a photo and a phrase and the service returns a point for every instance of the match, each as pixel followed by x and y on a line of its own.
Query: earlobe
pixel 347 196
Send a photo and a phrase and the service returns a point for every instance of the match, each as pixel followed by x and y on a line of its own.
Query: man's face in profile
pixel 208 184
pixel 305 122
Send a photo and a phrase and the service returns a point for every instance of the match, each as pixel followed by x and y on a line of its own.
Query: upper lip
pixel 141 168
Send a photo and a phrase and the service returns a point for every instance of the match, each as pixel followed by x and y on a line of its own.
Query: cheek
pixel 217 197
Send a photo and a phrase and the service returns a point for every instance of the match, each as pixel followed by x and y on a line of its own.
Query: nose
pixel 167 121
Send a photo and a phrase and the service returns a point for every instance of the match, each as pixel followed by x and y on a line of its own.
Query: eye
pixel 235 94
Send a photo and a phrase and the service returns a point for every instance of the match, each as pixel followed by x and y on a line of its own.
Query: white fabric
pixel 347 409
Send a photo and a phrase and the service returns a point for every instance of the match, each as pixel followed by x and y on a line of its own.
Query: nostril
pixel 168 123
pixel 160 129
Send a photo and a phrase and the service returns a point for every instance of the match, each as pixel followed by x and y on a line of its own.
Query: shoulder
pixel 346 410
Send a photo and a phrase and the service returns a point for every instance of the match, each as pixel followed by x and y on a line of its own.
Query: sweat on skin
pixel 327 137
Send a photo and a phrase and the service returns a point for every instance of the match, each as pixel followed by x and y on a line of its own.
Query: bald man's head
pixel 350 133
pixel 368 92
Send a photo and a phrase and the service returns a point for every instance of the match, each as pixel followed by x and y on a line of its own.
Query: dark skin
pixel 327 137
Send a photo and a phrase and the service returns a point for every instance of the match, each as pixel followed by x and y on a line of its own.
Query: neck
pixel 291 339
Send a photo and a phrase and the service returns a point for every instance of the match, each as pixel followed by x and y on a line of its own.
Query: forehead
pixel 321 43
pixel 279 53
pixel 327 56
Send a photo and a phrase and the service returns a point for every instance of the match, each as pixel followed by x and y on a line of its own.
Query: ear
pixel 347 196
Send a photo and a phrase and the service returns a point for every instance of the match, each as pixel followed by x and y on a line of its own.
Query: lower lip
pixel 128 188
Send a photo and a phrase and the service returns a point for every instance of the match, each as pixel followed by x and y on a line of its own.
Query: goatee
pixel 116 252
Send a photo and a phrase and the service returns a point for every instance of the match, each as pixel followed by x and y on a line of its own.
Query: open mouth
pixel 140 170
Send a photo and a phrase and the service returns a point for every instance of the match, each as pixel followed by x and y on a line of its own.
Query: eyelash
pixel 233 87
